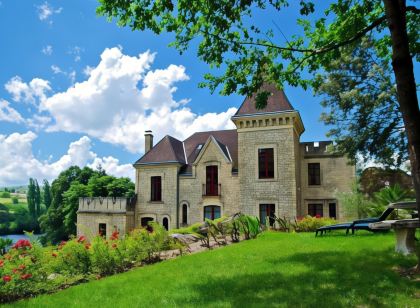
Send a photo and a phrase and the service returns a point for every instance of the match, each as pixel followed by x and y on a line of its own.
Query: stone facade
pixel 228 162
pixel 115 214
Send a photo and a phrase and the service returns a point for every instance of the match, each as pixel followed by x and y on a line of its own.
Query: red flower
pixel 81 239
pixel 62 243
pixel 115 235
pixel 7 278
pixel 22 244
pixel 25 276
pixel 22 266
pixel 317 216
pixel 54 255
pixel 15 270
pixel 1 263
pixel 87 246
pixel 114 245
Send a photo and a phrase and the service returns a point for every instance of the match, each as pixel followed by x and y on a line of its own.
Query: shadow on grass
pixel 327 280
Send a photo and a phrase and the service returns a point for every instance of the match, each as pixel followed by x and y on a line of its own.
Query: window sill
pixel 267 179
pixel 156 202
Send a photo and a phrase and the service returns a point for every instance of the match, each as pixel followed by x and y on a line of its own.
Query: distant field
pixel 8 201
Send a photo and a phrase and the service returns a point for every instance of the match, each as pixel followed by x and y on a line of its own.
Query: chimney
pixel 148 141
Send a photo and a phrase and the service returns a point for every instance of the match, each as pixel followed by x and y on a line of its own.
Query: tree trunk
pixel 406 85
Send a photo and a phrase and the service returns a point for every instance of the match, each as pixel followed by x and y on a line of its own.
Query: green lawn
pixel 277 269
pixel 9 202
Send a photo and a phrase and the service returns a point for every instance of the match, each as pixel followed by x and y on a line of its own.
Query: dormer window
pixel 266 163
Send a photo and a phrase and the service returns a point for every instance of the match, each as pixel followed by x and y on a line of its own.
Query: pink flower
pixel 22 244
pixel 22 266
pixel 81 239
pixel 7 278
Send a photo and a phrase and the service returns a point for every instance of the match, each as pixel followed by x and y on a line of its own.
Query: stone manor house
pixel 260 168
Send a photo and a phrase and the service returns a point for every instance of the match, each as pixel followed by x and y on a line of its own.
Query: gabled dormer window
pixel 266 163
pixel 156 188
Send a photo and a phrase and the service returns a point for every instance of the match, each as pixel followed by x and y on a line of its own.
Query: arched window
pixel 211 212
pixel 185 214
pixel 165 223
pixel 145 223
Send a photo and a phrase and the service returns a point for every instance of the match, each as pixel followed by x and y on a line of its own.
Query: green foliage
pixel 5 194
pixel 59 222
pixel 310 224
pixel 386 196
pixel 46 190
pixel 16 219
pixel 4 244
pixel 29 269
pixel 360 99
pixel 354 204
pixel 15 200
pixel 249 54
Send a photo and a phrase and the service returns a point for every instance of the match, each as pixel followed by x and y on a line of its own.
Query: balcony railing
pixel 212 190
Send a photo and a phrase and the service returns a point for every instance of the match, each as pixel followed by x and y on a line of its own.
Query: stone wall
pixel 281 190
pixel 191 187
pixel 157 210
pixel 116 213
pixel 337 176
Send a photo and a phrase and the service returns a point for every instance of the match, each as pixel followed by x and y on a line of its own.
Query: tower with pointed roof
pixel 268 146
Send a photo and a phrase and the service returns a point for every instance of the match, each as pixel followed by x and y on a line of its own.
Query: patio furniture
pixel 364 224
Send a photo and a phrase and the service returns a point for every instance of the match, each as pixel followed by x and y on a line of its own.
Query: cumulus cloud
pixel 19 163
pixel 122 97
pixel 45 11
pixel 8 114
pixel 31 92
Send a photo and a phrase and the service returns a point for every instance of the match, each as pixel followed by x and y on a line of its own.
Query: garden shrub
pixel 73 257
pixel 310 224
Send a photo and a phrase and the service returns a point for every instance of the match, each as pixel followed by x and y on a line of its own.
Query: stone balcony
pixel 112 205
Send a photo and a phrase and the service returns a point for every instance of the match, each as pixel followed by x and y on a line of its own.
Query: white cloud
pixel 56 69
pixel 111 106
pixel 70 75
pixel 47 50
pixel 76 53
pixel 28 93
pixel 19 163
pixel 8 114
pixel 45 11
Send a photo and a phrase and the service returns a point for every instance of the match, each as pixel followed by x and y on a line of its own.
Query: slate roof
pixel 171 150
pixel 276 102
pixel 227 140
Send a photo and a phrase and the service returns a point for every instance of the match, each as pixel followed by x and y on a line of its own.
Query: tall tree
pixel 46 194
pixel 360 99
pixel 37 199
pixel 30 196
pixel 248 55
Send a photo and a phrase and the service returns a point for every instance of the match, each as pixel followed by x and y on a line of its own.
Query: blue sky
pixel 59 103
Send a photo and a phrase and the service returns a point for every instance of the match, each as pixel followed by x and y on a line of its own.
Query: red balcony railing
pixel 212 189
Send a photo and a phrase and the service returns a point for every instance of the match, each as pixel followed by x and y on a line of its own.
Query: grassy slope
pixel 276 270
